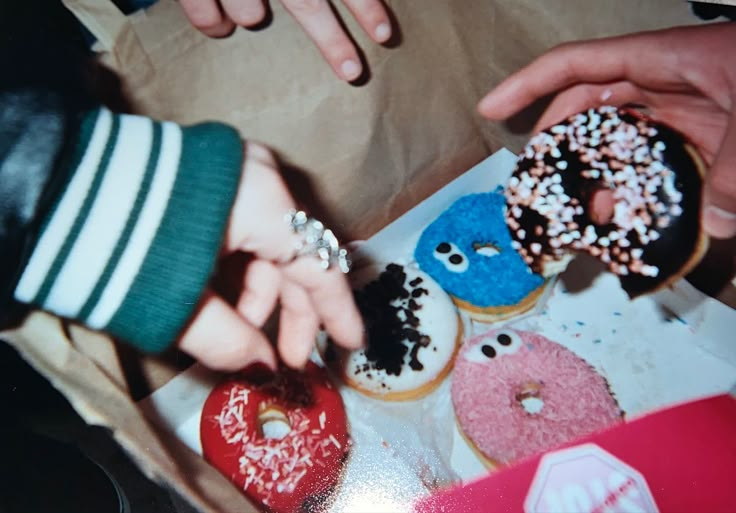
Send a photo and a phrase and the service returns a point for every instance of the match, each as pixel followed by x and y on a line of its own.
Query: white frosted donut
pixel 413 332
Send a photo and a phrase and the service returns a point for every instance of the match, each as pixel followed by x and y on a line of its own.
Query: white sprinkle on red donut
pixel 282 441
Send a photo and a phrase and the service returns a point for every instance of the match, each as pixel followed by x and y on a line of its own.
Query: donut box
pixel 680 459
pixel 651 353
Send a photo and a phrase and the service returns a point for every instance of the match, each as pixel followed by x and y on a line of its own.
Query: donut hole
pixel 273 422
pixel 486 249
pixel 529 398
pixel 600 206
pixel 532 405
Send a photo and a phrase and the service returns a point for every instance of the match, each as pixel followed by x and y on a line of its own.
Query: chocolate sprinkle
pixel 414 363
pixel 411 319
pixel 412 335
pixel 418 292
pixel 387 305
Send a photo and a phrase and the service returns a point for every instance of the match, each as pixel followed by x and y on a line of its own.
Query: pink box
pixel 681 459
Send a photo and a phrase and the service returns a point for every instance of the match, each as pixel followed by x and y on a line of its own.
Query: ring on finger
pixel 316 240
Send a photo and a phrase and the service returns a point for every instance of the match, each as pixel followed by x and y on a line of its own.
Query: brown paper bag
pixel 366 154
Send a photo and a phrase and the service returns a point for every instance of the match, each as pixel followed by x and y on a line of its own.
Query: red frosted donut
pixel 517 394
pixel 282 441
pixel 650 234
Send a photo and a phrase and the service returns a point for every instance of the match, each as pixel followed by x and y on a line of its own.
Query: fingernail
pixel 483 103
pixel 488 108
pixel 719 223
pixel 383 32
pixel 350 69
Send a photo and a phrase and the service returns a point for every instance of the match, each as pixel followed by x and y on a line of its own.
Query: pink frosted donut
pixel 517 394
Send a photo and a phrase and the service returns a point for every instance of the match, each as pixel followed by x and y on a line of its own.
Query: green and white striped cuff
pixel 129 245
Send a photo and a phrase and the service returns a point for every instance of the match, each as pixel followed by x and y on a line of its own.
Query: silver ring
pixel 316 240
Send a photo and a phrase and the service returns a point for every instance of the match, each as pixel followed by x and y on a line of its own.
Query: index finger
pixel 647 59
pixel 332 299
pixel 319 22
pixel 372 16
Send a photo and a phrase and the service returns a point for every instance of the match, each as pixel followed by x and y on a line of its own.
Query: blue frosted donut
pixel 468 251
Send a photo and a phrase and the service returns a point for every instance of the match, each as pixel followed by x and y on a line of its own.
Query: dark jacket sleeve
pixel 712 11
pixel 112 220
pixel 42 94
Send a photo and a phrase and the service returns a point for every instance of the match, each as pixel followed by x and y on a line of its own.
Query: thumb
pixel 719 214
pixel 222 340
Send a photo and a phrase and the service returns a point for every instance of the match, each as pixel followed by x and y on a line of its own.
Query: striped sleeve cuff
pixel 131 242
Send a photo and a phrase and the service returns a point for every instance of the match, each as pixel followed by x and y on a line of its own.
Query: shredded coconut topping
pixel 273 465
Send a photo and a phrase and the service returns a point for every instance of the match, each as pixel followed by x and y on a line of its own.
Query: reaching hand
pixel 685 76
pixel 317 18
pixel 229 338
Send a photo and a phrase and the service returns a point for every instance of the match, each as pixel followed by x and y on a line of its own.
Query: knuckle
pixel 724 186
pixel 371 11
pixel 259 152
pixel 339 49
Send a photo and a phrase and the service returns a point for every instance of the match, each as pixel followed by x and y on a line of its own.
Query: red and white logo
pixel 587 479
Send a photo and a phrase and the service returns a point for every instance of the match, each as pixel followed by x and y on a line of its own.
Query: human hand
pixel 685 77
pixel 218 18
pixel 227 338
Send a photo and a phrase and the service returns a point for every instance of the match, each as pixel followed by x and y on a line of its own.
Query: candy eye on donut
pixel 443 248
pixel 494 346
pixel 507 342
pixel 484 352
pixel 452 257
pixel 488 351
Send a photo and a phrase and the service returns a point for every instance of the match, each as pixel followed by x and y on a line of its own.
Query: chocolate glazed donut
pixel 653 177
